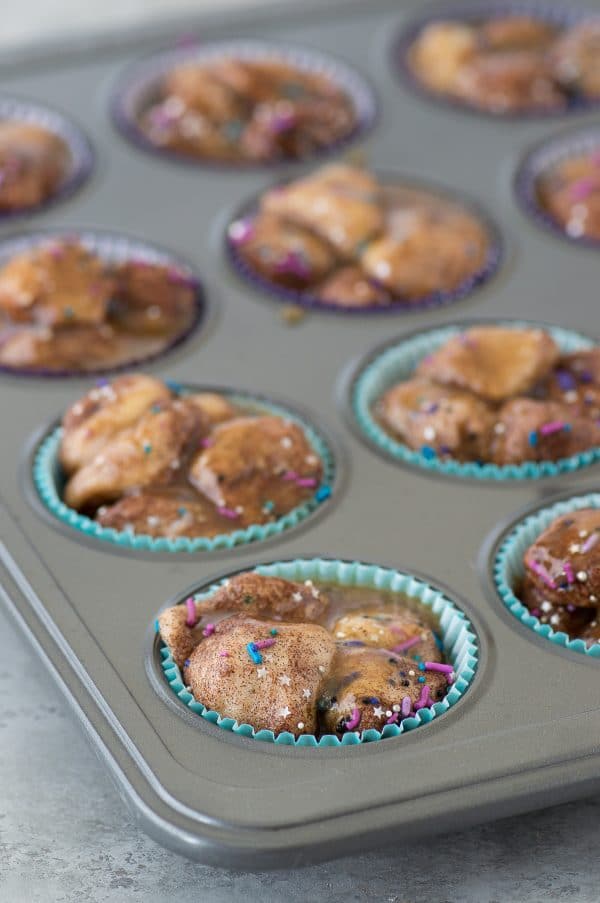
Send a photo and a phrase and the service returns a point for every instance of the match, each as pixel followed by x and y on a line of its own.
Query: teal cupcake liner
pixel 49 481
pixel 458 640
pixel 398 361
pixel 508 569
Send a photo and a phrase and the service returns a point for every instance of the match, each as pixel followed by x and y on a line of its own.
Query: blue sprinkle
pixel 322 493
pixel 428 452
pixel 268 506
pixel 156 626
pixel 438 642
pixel 174 386
pixel 254 654
pixel 147 448
pixel 182 512
pixel 186 662
pixel 567 427
pixel 421 680
pixel 156 408
pixel 533 438
pixel 421 666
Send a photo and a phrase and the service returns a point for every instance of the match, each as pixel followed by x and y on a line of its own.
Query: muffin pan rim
pixel 204 306
pixel 153 646
pixel 338 485
pixel 81 151
pixel 496 258
pixel 407 33
pixel 144 72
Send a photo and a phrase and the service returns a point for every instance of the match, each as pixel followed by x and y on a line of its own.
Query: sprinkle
pixel 421 679
pixel 268 506
pixel 147 448
pixel 261 672
pixel 423 701
pixel 393 719
pixel 227 512
pixel 254 654
pixel 208 630
pixel 240 231
pixel 191 619
pixel 174 386
pixel 182 511
pixel 301 725
pixel 186 663
pixel 284 680
pixel 224 653
pixel 406 706
pixel 378 712
pixel 297 597
pixel 566 380
pixel 323 493
pixel 207 442
pixel 571 608
pixel 428 452
pixel 590 542
pixel 582 188
pixel 273 631
pixel 402 647
pixel 582 576
pixel 438 666
pixel 354 720
pixel 533 438
pixel 306 693
pixel 429 433
pixel 283 713
pixel 290 476
pixel 306 482
pixel 540 570
pixel 569 572
pixel 553 426
pixel 295 264
pixel 264 644
pixel 156 408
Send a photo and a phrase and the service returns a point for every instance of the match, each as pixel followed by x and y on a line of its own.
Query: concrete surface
pixel 65 836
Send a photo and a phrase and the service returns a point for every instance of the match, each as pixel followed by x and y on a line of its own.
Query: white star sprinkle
pixel 262 672
pixel 283 713
pixel 297 597
pixel 378 712
pixel 285 680
pixel 306 694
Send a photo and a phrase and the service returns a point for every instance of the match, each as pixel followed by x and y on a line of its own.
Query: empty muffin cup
pixel 455 637
pixel 396 362
pixel 184 121
pixel 558 186
pixel 49 481
pixel 510 60
pixel 51 164
pixel 509 571
pixel 138 302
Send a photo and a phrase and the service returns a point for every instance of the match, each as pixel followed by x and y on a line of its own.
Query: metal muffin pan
pixel 526 733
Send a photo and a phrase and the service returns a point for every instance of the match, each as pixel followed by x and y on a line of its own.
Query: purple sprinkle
pixel 294 264
pixel 566 380
pixel 306 482
pixel 240 231
pixel 227 512
pixel 590 542
pixel 582 189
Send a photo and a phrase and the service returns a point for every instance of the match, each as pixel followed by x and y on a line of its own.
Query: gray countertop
pixel 66 837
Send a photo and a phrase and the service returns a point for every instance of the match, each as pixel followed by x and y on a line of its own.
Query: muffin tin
pixel 525 734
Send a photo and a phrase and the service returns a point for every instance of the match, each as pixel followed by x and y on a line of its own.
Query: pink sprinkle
pixel 264 644
pixel 554 426
pixel 393 719
pixel 423 698
pixel 406 706
pixel 569 572
pixel 541 571
pixel 438 666
pixel 590 542
pixel 402 647
pixel 536 612
pixel 582 189
pixel 228 512
pixel 354 721
pixel 240 231
pixel 571 608
pixel 306 482
pixel 400 630
pixel 290 475
pixel 206 443
pixel 224 653
pixel 208 630
pixel 192 618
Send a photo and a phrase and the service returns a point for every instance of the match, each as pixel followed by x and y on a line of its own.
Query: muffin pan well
pixel 524 735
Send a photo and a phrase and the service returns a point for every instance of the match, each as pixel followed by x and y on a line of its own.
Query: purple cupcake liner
pixel 539 160
pixel 139 84
pixel 114 248
pixel 434 300
pixel 473 12
pixel 80 150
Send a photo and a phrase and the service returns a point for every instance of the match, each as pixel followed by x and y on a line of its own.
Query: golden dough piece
pixel 77 348
pixel 423 252
pixel 575 58
pixel 150 452
pixel 170 513
pixel 151 299
pixel 277 693
pixel 440 51
pixel 200 88
pixel 286 253
pixel 516 32
pixel 252 461
pixel 451 421
pixel 402 632
pixel 563 564
pixel 214 408
pixel 33 163
pixel 339 203
pixel 372 683
pixel 570 193
pixel 56 283
pixel 509 81
pixel 255 594
pixel 494 362
pixel 529 430
pixel 94 420
pixel 349 287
